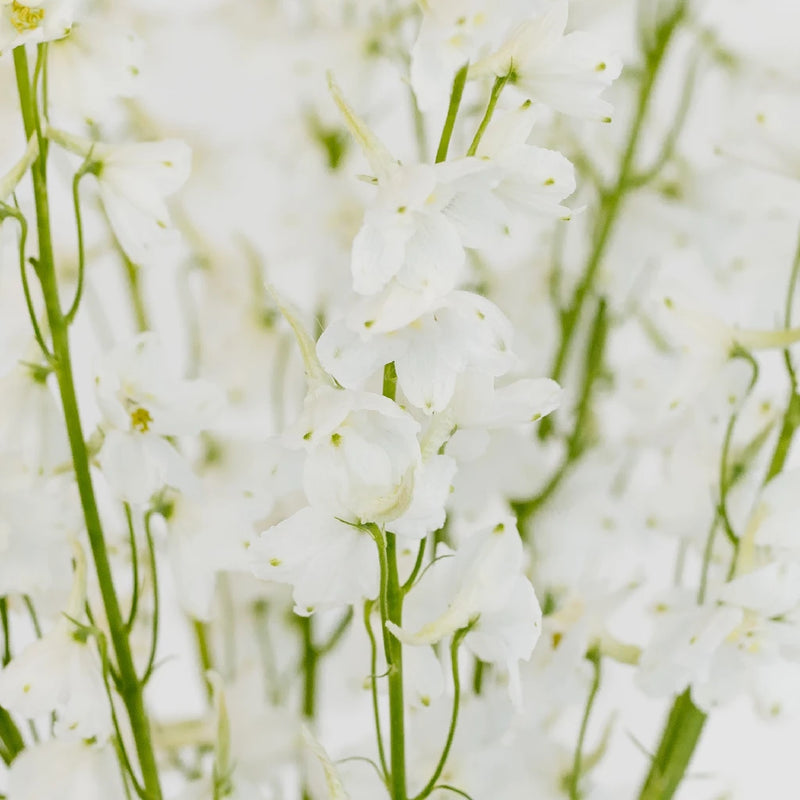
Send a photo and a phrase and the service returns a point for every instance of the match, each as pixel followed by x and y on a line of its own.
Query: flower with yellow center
pixel 25 18
pixel 25 22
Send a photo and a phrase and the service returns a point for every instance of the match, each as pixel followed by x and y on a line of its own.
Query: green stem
pixel 577 441
pixel 131 690
pixel 310 659
pixel 610 206
pixel 310 663
pixel 10 735
pixel 373 679
pixel 452 112
pixel 394 608
pixel 678 741
pixel 6 631
pixel 200 630
pixel 791 417
pixel 451 732
pixel 392 611
pixel 151 552
pixel 575 776
pixel 76 202
pixel 487 117
pixel 134 568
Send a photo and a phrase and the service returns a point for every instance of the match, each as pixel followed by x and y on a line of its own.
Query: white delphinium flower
pixel 61 672
pixel 409 251
pixel 731 644
pixel 93 67
pixel 32 22
pixel 328 563
pixel 142 403
pixel 36 518
pixel 530 180
pixel 68 769
pixel 31 422
pixel 481 587
pixel 134 180
pixel 463 330
pixel 566 72
pixel 362 454
pixel 452 32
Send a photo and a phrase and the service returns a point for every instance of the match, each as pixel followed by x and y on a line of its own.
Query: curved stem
pixel 575 776
pixel 151 551
pixel 23 270
pixel 409 583
pixel 135 568
pixel 76 202
pixel 373 680
pixel 451 732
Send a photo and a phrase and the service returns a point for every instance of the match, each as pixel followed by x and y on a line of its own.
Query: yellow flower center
pixel 25 18
pixel 141 419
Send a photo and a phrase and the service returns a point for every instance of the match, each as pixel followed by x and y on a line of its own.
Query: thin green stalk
pixel 6 631
pixel 336 634
pixel 310 660
pixel 576 443
pixel 151 552
pixel 200 630
pixel 373 679
pixel 610 206
pixel 594 657
pixel 791 417
pixel 394 607
pixel 452 112
pixel 134 567
pixel 45 267
pixel 477 676
pixel 76 202
pixel 451 732
pixel 23 270
pixel 310 663
pixel 409 583
pixel 487 117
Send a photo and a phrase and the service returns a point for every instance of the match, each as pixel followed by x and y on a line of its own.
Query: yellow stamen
pixel 25 18
pixel 141 419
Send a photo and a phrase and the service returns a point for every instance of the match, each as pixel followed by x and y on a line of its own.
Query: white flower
pixel 452 33
pixel 463 330
pixel 746 631
pixel 26 22
pixel 484 589
pixel 134 180
pixel 426 512
pixel 61 672
pixel 567 73
pixel 362 454
pixel 413 233
pixel 68 769
pixel 531 180
pixel 327 562
pixel 141 403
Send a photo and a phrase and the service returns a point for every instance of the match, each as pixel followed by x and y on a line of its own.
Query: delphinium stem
pixel 130 688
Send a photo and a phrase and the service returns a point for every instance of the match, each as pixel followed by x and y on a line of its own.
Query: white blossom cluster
pixel 398 399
